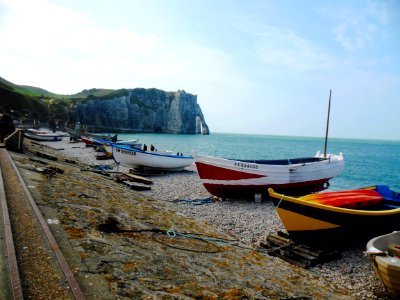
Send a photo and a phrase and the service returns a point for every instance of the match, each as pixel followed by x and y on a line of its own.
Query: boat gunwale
pixel 343 210
pixel 150 153
pixel 273 162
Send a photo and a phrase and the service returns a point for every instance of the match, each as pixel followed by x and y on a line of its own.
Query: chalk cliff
pixel 142 110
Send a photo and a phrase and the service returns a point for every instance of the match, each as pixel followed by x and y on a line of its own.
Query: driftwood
pixel 137 178
pixel 147 172
pixel 38 161
pixel 44 155
pixel 123 177
pixel 103 157
pixel 297 254
pixel 70 161
pixel 136 186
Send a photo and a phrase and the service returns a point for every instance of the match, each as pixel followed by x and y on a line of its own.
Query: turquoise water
pixel 367 162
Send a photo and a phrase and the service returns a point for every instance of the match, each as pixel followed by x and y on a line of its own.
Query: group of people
pixel 152 148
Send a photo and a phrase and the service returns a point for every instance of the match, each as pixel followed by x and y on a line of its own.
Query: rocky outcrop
pixel 142 110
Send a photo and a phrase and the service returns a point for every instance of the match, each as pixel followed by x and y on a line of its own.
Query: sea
pixel 367 162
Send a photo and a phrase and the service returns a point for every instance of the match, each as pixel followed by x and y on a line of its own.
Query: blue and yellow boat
pixel 335 219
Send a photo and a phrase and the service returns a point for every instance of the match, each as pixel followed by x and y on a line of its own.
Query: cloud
pixel 284 48
pixel 358 29
pixel 65 51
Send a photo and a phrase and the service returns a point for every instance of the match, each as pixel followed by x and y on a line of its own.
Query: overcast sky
pixel 259 67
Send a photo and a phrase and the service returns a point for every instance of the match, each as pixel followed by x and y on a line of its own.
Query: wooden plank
pixel 44 155
pixel 137 178
pixel 103 157
pixel 137 187
pixel 38 161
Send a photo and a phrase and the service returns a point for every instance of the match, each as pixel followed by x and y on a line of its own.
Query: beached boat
pixel 158 160
pixel 43 135
pixel 339 218
pixel 91 139
pixel 106 146
pixel 229 178
pixel 384 254
pixel 88 140
pixel 73 134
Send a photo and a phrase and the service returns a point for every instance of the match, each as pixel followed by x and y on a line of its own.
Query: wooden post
pixel 327 122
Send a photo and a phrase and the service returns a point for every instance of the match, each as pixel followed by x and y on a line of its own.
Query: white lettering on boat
pixel 126 151
pixel 245 165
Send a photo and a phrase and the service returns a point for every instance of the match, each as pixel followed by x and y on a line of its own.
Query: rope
pixel 201 201
pixel 279 203
pixel 214 248
pixel 172 233
pixel 86 196
pixel 102 167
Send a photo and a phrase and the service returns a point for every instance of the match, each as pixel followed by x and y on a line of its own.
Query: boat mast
pixel 327 122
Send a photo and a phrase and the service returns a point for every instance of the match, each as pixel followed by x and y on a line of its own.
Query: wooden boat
pixel 43 135
pixel 106 146
pixel 384 254
pixel 230 178
pixel 74 134
pixel 339 218
pixel 89 141
pixel 158 160
pixel 92 139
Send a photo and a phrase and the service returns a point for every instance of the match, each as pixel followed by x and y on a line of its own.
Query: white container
pixel 257 198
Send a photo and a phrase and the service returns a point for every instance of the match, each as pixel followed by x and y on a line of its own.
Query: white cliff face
pixel 143 110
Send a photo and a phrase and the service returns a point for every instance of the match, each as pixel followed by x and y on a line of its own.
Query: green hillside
pixel 28 102
pixel 19 104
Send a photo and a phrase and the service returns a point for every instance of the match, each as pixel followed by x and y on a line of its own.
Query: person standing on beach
pixel 144 147
pixel 152 147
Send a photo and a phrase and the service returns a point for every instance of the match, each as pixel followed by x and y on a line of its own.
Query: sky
pixel 256 66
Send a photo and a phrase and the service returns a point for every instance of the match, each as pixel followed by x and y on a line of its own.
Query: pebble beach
pixel 249 221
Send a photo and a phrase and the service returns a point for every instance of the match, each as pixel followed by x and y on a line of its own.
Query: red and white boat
pixel 227 178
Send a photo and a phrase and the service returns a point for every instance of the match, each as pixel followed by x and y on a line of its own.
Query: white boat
pixel 158 160
pixel 384 254
pixel 43 135
pixel 228 178
pixel 106 146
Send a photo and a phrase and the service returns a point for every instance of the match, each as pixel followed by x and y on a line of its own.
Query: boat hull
pixel 386 267
pixel 44 137
pixel 323 225
pixel 156 160
pixel 239 179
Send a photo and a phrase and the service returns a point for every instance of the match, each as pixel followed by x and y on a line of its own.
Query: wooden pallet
pixel 300 255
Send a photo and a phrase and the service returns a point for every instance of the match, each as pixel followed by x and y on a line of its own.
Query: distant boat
pixel 43 135
pixel 106 146
pixel 74 134
pixel 384 254
pixel 156 160
pixel 234 178
pixel 339 218
pixel 90 138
